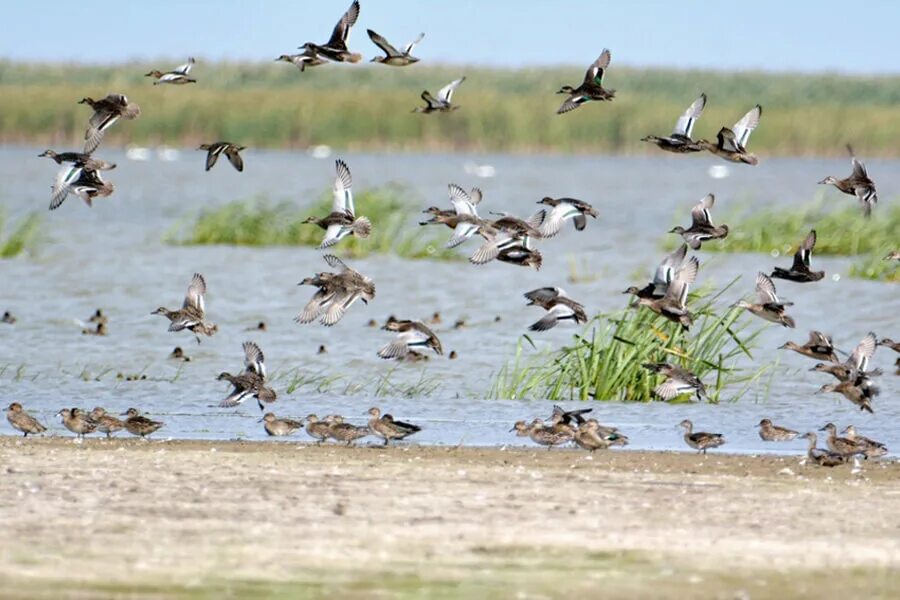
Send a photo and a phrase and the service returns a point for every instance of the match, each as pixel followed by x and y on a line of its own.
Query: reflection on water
pixel 113 257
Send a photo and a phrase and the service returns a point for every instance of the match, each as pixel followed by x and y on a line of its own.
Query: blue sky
pixel 786 35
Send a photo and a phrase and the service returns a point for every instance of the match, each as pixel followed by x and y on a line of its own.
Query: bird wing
pixel 338 307
pixel 343 192
pixel 99 122
pixel 859 358
pixel 672 388
pixel 684 277
pixel 65 178
pixel 409 47
pixel 859 169
pixel 743 128
pixel 595 72
pixel 234 157
pixel 700 212
pixel 461 201
pixel 333 235
pixel 461 233
pixel 804 252
pixel 335 263
pixel 685 123
pixel 254 359
pixel 446 92
pixel 212 155
pixel 235 397
pixel 727 140
pixel 544 294
pixel 185 68
pixel 382 43
pixel 342 29
pixel 571 103
pixel 765 289
pixel 490 249
pixel 316 306
pixel 553 221
pixel 194 297
pixel 554 314
pixel 665 272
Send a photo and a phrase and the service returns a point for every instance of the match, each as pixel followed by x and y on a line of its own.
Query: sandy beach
pixel 201 519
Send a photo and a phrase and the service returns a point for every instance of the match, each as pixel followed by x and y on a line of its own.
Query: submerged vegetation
pixel 21 237
pixel 260 223
pixel 605 361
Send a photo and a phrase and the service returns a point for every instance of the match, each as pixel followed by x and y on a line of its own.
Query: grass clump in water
pixel 22 236
pixel 260 223
pixel 605 361
pixel 875 267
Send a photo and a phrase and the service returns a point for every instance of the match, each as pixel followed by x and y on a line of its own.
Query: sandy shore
pixel 202 519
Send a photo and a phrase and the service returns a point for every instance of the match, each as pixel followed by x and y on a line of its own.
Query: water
pixel 113 257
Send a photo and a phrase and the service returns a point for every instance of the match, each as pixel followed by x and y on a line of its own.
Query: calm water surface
pixel 114 257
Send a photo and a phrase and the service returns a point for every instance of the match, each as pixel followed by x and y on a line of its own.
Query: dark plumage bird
pixel 558 305
pixel 443 101
pixel 800 270
pixel 107 111
pixel 591 88
pixel 336 47
pixel 857 184
pixel 677 381
pixel 569 417
pixel 680 140
pixel 702 228
pixel 410 335
pixel 231 151
pixel 394 57
pixel 252 382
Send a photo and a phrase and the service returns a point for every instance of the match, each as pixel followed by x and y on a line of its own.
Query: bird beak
pixel 260 420
pixel 513 429
pixel 821 182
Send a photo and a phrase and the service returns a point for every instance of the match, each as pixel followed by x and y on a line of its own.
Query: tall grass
pixel 605 361
pixel 875 267
pixel 22 237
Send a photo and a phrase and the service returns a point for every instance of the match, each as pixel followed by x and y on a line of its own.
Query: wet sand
pixel 281 519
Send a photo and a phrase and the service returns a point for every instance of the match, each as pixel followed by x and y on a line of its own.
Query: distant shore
pixel 106 518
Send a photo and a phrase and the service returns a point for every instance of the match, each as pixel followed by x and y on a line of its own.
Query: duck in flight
pixel 558 305
pixel 177 76
pixel 857 184
pixel 731 144
pixel 335 48
pixel 342 220
pixel 591 88
pixel 702 228
pixel 231 152
pixel 680 140
pixel 442 102
pixel 192 314
pixel 394 57
pixel 410 335
pixel 107 111
pixel 769 306
pixel 800 271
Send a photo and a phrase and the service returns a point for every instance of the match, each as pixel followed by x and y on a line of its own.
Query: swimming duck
pixel 252 382
pixel 677 381
pixel 895 346
pixel 177 76
pixel 673 304
pixel 700 440
pixel 558 305
pixel 79 159
pixel 77 422
pixel 443 101
pixel 106 423
pixel 770 432
pixel 178 354
pixel 8 318
pixel 22 421
pixel 731 144
pixel 702 228
pixel 336 48
pixel 84 182
pixel 394 57
pixel 893 255
pixel 137 424
pixel 857 184
pixel 435 318
pixel 591 88
pixel 231 151
pixel 192 314
pixel 680 141
pixel 342 221
pixel 317 429
pixel 870 448
pixel 337 292
pixel 540 434
pixel 662 277
pixel 107 111
pixel 818 346
pixel 305 60
pixel 860 396
pixel 800 271
pixel 562 210
pixel 347 432
pixel 100 329
pixel 98 317
pixel 769 306
pixel 410 334
pixel 275 426
pixel 387 428
pixel 820 456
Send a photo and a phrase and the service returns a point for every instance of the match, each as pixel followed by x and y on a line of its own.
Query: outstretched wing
pixel 804 252
pixel 409 47
pixel 195 293
pixel 382 43
pixel 343 192
pixel 685 123
pixel 700 212
pixel 335 263
pixel 65 178
pixel 859 358
pixel 254 359
pixel 684 277
pixel 743 128
pixel 339 35
pixel 595 72
pixel 446 93
pixel 665 272
pixel 234 157
pixel 765 289
pixel 185 68
pixel 461 201
pixel 859 169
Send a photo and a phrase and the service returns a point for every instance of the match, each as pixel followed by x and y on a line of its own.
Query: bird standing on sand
pixel 106 423
pixel 769 432
pixel 77 422
pixel 591 88
pixel 177 76
pixel 192 314
pixel 22 421
pixel 680 140
pixel 231 151
pixel 276 427
pixel 820 456
pixel 137 424
pixel 342 221
pixel 389 429
pixel 800 271
pixel 700 441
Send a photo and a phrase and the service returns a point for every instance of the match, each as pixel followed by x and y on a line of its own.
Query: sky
pixel 788 35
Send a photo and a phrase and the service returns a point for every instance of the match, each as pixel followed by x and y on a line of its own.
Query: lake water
pixel 113 256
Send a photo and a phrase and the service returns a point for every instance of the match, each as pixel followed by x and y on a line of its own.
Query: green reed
pixel 22 236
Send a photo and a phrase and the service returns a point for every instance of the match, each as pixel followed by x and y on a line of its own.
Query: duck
pixel 892 255
pixel 820 456
pixel 443 101
pixel 800 271
pixel 106 423
pixel 387 428
pixel 700 441
pixel 335 49
pixel 540 434
pixel 678 381
pixel 252 382
pixel 857 184
pixel 662 277
pixel 895 346
pixel 570 416
pixel 77 422
pixel 81 180
pixel 177 76
pixel 769 306
pixel 838 444
pixel 192 314
pixel 855 371
pixel 22 421
pixel 731 144
pixel 673 304
pixel 394 57
pixel 702 228
pixel 435 318
pixel 231 151
pixel 137 424
pixel 463 219
pixel 347 432
pixel 98 317
pixel 591 88
pixel 680 140
pixel 305 60
pixel 870 448
pixel 107 111
pixel 336 294
pixel 342 221
pixel 322 349
pixel 276 427
pixel 79 159
pixel 100 329
pixel 610 434
pixel 770 432
pixel 819 346
pixel 410 335
pixel 316 429
pixel 504 234
pixel 178 354
pixel 563 209
pixel 591 437
pixel 559 307
pixel 522 257
pixel 8 318
pixel 860 396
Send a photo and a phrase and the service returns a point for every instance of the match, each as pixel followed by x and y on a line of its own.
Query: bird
pixel 700 441
pixel 342 221
pixel 521 256
pixel 463 219
pixel 678 381
pixel 98 317
pixel 442 103
pixel 304 60
pixel 335 48
pixel 892 255
pixel 662 277
pixel 540 434
pixel 673 304
pixel 770 432
pixel 79 159
pixel 137 424
pixel 769 306
pixel 731 144
pixel 837 444
pixel 591 88
pixel 856 367
pixel 8 318
pixel 394 57
pixel 192 314
pixel 107 111
pixel 81 180
pixel 316 429
pixel 570 416
pixel 231 151
pixel 410 334
pixel 558 305
pixel 275 426
pixel 592 436
pixel 22 421
pixel 337 292
pixel 77 422
pixel 347 432
pixel 506 233
pixel 819 346
pixel 563 209
pixel 106 423
pixel 252 382
pixel 702 228
pixel 860 396
pixel 857 184
pixel 100 329
pixel 820 456
pixel 177 76
pixel 680 140
pixel 895 346
pixel 800 271
pixel 389 429
pixel 870 448
pixel 178 354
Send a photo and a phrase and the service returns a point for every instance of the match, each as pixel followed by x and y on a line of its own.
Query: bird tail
pixel 362 227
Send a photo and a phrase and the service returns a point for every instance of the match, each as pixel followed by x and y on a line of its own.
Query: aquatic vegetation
pixel 260 223
pixel 604 361
pixel 380 384
pixel 875 267
pixel 22 237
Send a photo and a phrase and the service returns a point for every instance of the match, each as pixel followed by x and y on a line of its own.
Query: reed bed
pixel 23 235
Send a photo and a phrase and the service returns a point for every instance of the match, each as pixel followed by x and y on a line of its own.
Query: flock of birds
pixel 505 238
